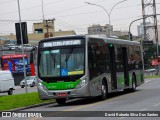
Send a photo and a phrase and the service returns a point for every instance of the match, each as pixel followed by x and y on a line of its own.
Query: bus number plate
pixel 61 94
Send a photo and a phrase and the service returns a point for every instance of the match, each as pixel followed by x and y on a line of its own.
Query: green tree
pixel 149 54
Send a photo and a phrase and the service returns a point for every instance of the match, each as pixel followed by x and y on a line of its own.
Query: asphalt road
pixel 146 98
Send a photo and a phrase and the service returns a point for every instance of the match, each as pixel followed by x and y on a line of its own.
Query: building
pixel 120 33
pixel 46 27
pixel 98 29
pixel 42 30
pixel 104 30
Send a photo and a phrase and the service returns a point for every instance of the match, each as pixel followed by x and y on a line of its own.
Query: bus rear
pixel 61 68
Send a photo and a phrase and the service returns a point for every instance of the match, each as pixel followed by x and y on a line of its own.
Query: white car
pixel 150 70
pixel 31 81
pixel 6 82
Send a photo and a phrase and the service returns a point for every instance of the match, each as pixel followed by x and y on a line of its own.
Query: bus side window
pixel 92 57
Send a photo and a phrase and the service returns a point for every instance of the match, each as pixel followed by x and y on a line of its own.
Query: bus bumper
pixel 70 93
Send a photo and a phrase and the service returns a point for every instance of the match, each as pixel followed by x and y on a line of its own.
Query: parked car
pixel 31 81
pixel 9 47
pixel 6 82
pixel 151 70
pixel 26 47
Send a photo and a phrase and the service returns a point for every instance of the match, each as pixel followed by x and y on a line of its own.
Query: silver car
pixel 26 47
pixel 31 81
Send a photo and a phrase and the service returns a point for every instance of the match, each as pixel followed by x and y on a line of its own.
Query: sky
pixel 71 14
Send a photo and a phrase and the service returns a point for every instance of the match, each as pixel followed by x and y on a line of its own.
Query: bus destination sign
pixel 62 43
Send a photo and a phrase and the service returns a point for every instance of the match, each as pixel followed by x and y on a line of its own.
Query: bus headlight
pixel 83 82
pixel 40 85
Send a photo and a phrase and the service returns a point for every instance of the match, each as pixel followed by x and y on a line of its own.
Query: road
pixel 146 98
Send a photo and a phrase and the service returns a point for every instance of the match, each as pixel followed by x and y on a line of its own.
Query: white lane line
pixel 156 104
pixel 145 109
pixel 147 81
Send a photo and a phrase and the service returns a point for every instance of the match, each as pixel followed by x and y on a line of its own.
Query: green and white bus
pixel 87 66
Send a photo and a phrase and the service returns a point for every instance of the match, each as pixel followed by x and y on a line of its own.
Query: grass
pixel 20 100
pixel 154 76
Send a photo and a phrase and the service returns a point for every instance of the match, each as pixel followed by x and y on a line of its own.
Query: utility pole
pixel 24 67
pixel 149 9
pixel 49 25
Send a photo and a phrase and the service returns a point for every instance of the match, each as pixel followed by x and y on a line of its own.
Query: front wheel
pixel 33 84
pixel 61 101
pixel 10 92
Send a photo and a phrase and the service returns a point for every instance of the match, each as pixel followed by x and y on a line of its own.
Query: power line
pixel 29 8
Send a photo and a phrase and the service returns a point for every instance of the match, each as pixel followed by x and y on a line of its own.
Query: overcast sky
pixel 71 14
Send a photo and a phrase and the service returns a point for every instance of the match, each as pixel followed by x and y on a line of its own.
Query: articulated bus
pixel 87 66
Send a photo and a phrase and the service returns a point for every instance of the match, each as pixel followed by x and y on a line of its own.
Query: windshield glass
pixel 61 62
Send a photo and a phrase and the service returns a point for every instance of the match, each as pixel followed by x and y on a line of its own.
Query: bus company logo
pixel 6 114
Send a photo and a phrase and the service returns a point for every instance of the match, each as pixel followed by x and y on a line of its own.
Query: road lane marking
pixel 147 81
pixel 156 104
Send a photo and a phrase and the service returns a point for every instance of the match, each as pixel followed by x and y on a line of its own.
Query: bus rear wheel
pixel 61 101
pixel 104 90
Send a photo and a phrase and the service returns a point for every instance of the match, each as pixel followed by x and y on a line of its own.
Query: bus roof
pixel 115 40
pixel 107 40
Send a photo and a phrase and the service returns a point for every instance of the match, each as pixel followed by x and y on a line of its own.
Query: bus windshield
pixel 61 62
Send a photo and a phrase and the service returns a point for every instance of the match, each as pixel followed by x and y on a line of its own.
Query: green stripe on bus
pixel 61 85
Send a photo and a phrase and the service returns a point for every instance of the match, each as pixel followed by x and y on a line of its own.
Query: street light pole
pixel 108 13
pixel 26 90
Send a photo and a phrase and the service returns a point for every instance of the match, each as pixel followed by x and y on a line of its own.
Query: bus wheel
pixel 10 92
pixel 61 101
pixel 133 84
pixel 103 90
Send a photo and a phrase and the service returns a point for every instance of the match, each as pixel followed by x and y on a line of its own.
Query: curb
pixel 31 106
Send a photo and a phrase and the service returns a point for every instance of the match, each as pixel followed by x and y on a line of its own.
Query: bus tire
pixel 61 101
pixel 104 90
pixel 133 89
